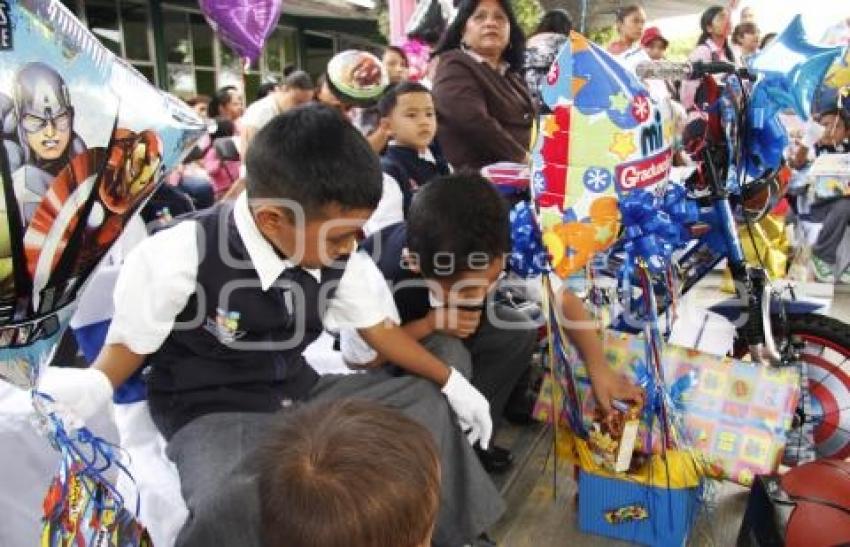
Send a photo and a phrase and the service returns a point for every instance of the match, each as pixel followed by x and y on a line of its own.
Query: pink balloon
pixel 243 25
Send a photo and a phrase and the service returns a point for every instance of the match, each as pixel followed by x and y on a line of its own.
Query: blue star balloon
pixel 793 68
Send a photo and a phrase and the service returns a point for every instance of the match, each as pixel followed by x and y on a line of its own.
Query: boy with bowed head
pixel 220 306
pixel 443 265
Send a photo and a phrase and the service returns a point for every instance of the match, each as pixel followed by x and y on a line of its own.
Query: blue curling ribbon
pixel 655 227
pixel 95 454
pixel 658 397
pixel 528 255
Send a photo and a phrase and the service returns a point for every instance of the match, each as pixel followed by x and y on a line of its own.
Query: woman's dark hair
pixel 742 29
pixel 221 98
pixel 514 54
pixel 705 22
pixel 766 39
pixel 440 234
pixel 313 156
pixel 624 11
pixel 400 52
pixel 557 21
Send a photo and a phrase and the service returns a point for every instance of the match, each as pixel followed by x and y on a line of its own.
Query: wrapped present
pixel 626 354
pixel 649 514
pixel 734 413
pixel 612 438
pixel 829 177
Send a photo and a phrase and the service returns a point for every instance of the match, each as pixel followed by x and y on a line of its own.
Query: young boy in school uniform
pixel 220 306
pixel 442 266
pixel 412 157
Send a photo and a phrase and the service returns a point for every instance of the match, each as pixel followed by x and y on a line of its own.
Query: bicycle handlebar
pixel 675 70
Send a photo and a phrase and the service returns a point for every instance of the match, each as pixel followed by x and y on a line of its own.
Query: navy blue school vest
pixel 410 171
pixel 409 290
pixel 226 351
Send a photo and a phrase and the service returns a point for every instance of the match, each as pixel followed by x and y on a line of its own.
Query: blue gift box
pixel 624 509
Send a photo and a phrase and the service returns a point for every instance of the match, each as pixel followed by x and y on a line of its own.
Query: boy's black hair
pixel 313 156
pixel 557 21
pixel 298 79
pixel 389 100
pixel 457 219
pixel 400 52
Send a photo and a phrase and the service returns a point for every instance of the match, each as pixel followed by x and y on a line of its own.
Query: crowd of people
pixel 396 243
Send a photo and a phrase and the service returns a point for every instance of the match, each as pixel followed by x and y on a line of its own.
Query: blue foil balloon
pixel 794 67
pixel 766 136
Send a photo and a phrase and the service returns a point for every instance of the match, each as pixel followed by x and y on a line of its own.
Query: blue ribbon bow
pixel 528 255
pixel 654 227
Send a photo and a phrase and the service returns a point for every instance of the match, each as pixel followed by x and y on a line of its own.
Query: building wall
pixel 174 47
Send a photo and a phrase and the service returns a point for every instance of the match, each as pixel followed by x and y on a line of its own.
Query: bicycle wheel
pixel 826 354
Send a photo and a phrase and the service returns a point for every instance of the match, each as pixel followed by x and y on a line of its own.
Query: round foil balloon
pixel 86 140
pixel 357 77
pixel 600 138
pixel 243 25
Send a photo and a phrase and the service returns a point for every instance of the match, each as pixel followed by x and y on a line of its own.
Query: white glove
pixel 354 349
pixel 78 393
pixel 472 408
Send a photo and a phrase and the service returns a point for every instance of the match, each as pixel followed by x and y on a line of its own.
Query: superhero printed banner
pixel 85 141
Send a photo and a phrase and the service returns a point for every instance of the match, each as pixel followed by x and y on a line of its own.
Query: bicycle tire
pixel 826 352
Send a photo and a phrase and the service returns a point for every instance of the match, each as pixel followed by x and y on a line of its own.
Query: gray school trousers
pixel 218 478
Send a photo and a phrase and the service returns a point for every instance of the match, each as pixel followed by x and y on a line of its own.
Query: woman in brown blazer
pixel 484 109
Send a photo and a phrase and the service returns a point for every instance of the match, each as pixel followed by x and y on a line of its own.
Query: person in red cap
pixel 654 43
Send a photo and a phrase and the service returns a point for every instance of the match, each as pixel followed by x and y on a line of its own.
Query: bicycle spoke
pixel 834 412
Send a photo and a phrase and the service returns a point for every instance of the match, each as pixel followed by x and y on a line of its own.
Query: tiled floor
pixel 541 504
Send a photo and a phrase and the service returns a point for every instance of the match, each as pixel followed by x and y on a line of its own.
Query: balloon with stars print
pixel 600 137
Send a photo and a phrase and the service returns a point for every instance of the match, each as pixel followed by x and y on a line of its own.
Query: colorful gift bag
pixel 737 414
pixel 645 514
pixel 734 413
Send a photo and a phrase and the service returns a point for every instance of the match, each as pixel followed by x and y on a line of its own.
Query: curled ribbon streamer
pixel 572 404
pixel 528 255
pixel 82 446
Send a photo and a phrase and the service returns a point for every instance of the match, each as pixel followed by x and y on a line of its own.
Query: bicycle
pixel 773 326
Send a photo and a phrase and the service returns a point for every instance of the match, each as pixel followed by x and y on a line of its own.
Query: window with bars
pixel 122 27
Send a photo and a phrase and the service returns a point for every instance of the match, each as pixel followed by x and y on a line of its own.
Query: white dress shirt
pixel 160 274
pixel 390 209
